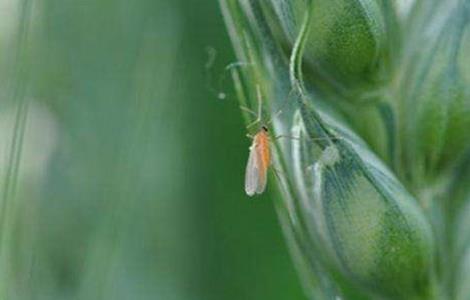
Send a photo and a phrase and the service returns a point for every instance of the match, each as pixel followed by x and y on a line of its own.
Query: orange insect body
pixel 262 148
pixel 258 163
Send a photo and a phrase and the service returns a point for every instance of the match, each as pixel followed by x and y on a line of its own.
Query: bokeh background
pixel 121 170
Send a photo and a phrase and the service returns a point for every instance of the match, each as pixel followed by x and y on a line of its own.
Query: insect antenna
pixel 259 115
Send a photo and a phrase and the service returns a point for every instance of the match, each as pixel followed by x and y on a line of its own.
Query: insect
pixel 259 159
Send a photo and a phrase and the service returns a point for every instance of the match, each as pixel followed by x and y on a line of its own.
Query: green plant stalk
pixel 336 154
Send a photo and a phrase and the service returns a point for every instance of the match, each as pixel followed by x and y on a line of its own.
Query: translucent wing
pixel 255 175
pixel 252 172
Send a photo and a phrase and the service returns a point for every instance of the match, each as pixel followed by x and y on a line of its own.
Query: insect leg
pixel 246 109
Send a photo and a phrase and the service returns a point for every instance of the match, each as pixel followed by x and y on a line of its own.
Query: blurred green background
pixel 121 171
